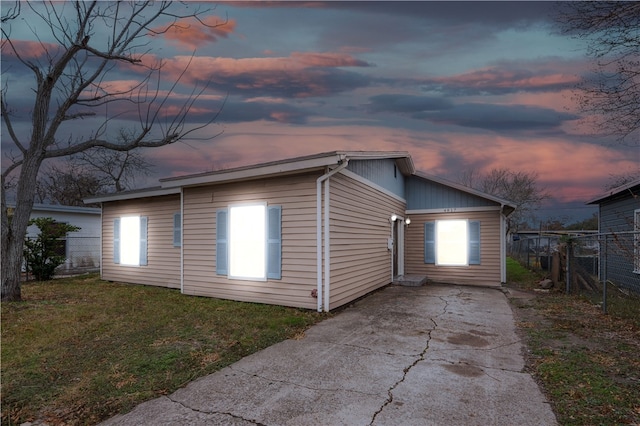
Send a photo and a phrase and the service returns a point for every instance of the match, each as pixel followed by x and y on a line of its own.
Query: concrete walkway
pixel 433 355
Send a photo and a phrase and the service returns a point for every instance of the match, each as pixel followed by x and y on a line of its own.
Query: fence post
pixel 604 276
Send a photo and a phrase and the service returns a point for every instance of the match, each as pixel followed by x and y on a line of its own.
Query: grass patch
pixel 519 276
pixel 586 361
pixel 80 350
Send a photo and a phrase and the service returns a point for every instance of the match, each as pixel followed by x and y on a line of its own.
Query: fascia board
pixel 252 172
pixel 145 193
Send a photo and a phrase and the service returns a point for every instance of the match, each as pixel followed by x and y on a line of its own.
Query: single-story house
pixel 619 227
pixel 82 247
pixel 313 232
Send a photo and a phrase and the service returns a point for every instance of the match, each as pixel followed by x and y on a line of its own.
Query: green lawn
pixel 80 350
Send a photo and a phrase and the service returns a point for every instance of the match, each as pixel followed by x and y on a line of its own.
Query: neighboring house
pixel 314 232
pixel 619 224
pixel 82 247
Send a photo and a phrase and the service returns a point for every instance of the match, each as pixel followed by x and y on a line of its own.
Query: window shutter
pixel 116 240
pixel 222 245
pixel 429 242
pixel 177 230
pixel 143 240
pixel 474 242
pixel 274 242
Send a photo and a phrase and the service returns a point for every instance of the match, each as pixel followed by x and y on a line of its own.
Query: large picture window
pixel 452 242
pixel 248 242
pixel 130 240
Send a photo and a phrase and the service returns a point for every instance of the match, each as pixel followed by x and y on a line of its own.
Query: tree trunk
pixel 13 233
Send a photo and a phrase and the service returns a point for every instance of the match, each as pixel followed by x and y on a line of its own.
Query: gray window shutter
pixel 429 242
pixel 222 245
pixel 474 242
pixel 177 230
pixel 274 242
pixel 116 240
pixel 143 240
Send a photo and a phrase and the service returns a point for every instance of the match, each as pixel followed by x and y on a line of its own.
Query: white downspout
pixel 319 181
pixel 327 246
pixel 503 246
pixel 182 240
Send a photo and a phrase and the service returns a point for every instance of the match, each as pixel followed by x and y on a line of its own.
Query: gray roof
pixel 173 185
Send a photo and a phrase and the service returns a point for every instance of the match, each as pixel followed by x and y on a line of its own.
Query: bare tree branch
pixel 71 81
pixel 611 93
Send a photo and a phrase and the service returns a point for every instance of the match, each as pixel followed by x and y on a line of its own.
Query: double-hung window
pixel 130 240
pixel 452 242
pixel 249 242
pixel 177 230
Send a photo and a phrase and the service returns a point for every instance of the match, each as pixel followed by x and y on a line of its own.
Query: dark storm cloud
pixel 237 112
pixel 491 13
pixel 300 84
pixel 497 117
pixel 298 75
pixel 406 103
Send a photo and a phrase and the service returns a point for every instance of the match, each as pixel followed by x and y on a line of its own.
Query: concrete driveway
pixel 433 355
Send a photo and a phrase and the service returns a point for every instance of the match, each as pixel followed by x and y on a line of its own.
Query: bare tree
pixel 612 32
pixel 81 44
pixel 117 170
pixel 622 178
pixel 67 184
pixel 520 188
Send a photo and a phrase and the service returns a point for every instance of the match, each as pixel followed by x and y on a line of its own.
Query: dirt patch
pixel 585 361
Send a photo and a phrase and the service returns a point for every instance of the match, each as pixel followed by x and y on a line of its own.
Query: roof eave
pixel 614 191
pixel 129 195
pixel 286 167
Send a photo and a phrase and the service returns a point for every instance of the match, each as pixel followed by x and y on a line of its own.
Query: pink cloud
pixel 30 49
pixel 203 66
pixel 192 34
pixel 561 100
pixel 300 74
pixel 496 78
pixel 571 171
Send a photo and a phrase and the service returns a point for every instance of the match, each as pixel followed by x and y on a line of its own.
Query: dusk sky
pixel 457 85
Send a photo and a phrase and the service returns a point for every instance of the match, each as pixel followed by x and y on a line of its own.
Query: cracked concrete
pixel 428 355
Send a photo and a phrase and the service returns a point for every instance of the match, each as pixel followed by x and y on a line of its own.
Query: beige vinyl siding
pixel 163 268
pixel 360 229
pixel 297 196
pixel 487 273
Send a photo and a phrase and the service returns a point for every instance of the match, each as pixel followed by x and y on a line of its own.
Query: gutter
pixel 324 296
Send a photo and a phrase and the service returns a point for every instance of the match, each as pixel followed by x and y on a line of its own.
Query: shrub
pixel 43 253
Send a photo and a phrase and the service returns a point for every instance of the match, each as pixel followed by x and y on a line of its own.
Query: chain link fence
pixel 82 255
pixel 602 267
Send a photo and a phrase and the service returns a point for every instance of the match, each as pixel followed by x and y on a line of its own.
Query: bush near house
pixel 45 253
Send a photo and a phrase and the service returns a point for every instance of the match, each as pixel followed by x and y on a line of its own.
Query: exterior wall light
pixel 407 221
pixel 394 218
